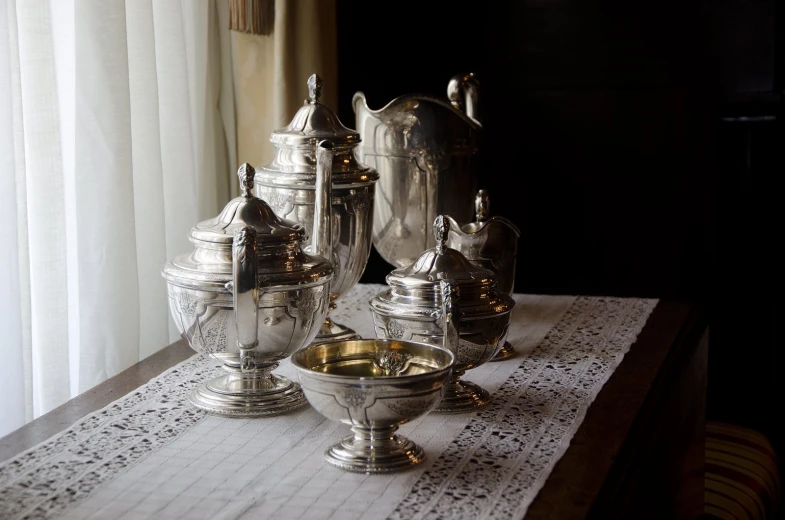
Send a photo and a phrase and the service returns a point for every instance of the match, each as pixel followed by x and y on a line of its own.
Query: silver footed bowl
pixel 374 386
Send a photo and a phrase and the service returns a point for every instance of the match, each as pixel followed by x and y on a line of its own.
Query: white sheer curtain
pixel 112 145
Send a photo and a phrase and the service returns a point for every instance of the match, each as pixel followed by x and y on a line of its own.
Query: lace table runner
pixel 151 455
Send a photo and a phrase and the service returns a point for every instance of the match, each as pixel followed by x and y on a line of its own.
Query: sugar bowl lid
pixel 440 263
pixel 313 123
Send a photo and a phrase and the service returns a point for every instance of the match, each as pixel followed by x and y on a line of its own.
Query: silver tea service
pixel 288 184
pixel 442 293
pixel 490 242
pixel 249 296
pixel 374 386
pixel 425 150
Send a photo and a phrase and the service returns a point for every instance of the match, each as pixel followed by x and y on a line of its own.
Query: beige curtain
pixel 270 72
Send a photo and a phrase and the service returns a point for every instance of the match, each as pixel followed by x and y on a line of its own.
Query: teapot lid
pixel 440 263
pixel 314 122
pixel 282 261
pixel 247 210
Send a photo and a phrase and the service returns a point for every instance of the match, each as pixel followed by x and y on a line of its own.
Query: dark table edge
pixel 586 478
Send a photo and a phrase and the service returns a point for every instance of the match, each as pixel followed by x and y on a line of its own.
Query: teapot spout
pixel 322 243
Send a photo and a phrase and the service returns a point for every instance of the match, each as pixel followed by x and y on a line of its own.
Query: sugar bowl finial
pixel 246 173
pixel 441 228
pixel 315 88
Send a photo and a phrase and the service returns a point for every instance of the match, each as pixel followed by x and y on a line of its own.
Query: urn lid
pixel 294 163
pixel 281 259
pixel 440 263
pixel 313 123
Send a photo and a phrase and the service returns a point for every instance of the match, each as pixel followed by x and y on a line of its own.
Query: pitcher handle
pixel 463 91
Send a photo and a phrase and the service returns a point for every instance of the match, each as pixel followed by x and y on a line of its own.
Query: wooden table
pixel 638 453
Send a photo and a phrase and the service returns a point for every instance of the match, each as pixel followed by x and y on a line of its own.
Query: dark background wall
pixel 636 144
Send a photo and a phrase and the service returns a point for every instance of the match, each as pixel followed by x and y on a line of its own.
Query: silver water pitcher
pixel 492 243
pixel 288 183
pixel 424 149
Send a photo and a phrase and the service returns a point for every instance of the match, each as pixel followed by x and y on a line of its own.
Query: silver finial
pixel 392 362
pixel 482 206
pixel 441 228
pixel 246 173
pixel 314 88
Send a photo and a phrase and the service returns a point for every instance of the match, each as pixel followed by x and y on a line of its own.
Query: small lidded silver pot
pixel 249 296
pixel 443 294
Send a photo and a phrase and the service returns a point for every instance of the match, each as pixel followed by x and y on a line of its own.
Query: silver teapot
pixel 288 183
pixel 442 298
pixel 249 296
pixel 424 149
pixel 490 242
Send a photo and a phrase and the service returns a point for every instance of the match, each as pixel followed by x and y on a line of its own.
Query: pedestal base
pixel 507 351
pixel 332 331
pixel 461 397
pixel 233 395
pixel 374 451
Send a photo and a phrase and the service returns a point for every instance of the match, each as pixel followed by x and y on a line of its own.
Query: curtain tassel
pixel 252 16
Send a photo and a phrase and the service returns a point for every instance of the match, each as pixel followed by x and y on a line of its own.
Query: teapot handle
pixel 463 91
pixel 451 315
pixel 245 296
pixel 322 242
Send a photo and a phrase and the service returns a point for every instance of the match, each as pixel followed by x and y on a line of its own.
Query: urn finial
pixel 315 88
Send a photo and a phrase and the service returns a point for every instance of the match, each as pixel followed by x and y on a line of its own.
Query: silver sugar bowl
pixel 373 385
pixel 288 183
pixel 249 296
pixel 425 150
pixel 442 293
pixel 490 242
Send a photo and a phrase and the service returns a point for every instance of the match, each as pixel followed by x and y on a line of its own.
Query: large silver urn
pixel 424 149
pixel 249 296
pixel 288 184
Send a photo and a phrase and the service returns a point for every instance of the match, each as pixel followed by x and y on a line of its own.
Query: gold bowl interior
pixel 364 359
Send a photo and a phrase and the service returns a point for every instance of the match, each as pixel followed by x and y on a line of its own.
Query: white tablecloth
pixel 151 455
